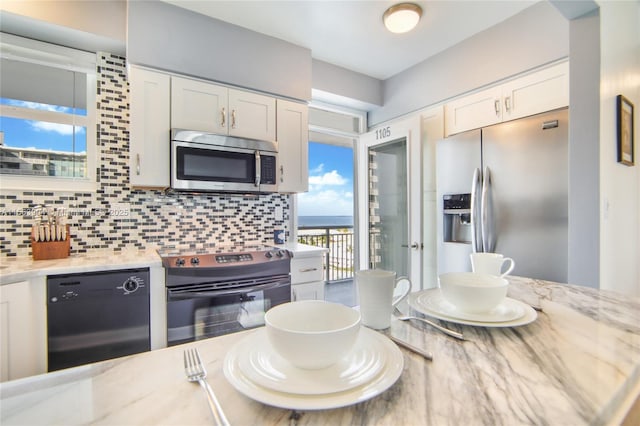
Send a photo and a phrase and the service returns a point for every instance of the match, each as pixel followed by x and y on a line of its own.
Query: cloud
pixel 62 129
pixel 39 106
pixel 326 203
pixel 332 178
pixel 319 169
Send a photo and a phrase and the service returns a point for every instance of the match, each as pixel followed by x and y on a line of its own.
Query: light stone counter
pixel 303 250
pixel 577 364
pixel 14 269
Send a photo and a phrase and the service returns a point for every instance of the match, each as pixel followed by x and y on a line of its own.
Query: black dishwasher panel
pixel 97 316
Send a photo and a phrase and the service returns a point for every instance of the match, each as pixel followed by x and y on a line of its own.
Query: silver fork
pixel 445 330
pixel 195 372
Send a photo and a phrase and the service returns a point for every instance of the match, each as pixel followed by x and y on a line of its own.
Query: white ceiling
pixel 350 34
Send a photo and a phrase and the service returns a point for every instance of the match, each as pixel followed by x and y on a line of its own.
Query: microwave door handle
pixel 258 171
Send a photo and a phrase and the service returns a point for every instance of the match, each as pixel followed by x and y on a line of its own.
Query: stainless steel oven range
pixel 211 291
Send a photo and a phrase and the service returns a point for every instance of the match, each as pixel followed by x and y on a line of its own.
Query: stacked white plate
pixel 510 313
pixel 256 370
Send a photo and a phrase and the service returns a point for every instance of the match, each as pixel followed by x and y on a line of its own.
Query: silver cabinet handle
pixel 476 236
pixel 308 270
pixel 507 103
pixel 138 164
pixel 223 122
pixel 233 119
pixel 496 106
pixel 281 173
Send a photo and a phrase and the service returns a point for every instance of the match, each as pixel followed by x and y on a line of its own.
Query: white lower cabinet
pixel 307 291
pixel 307 276
pixel 23 330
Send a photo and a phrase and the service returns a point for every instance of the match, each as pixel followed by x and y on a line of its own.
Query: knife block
pixel 45 250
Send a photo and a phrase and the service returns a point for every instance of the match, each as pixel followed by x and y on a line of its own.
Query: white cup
pixel 375 294
pixel 491 263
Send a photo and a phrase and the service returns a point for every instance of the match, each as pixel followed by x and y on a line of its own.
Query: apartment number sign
pixel 383 133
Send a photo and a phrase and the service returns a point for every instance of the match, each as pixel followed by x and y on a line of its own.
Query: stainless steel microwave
pixel 218 163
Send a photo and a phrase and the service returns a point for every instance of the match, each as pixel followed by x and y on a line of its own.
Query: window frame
pixel 37 52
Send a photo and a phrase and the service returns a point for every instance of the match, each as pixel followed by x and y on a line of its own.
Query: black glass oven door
pixel 199 315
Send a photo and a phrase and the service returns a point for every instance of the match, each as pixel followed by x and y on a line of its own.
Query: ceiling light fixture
pixel 402 17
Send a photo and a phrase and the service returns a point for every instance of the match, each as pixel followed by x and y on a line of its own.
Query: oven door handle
pixel 186 294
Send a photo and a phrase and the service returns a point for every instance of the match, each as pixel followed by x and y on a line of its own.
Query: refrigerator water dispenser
pixel 457 218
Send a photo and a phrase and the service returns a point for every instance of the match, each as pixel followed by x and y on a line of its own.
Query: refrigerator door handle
pixel 476 231
pixel 488 231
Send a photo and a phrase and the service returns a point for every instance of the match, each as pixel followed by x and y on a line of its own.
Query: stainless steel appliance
pixel 97 316
pixel 212 291
pixel 515 178
pixel 209 162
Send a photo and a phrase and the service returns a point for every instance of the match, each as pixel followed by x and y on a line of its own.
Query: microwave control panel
pixel 268 169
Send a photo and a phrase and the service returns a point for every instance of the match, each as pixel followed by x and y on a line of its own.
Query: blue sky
pixel 44 135
pixel 330 182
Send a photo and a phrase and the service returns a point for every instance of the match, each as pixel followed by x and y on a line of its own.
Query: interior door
pixel 389 194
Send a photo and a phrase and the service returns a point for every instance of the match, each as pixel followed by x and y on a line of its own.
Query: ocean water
pixel 320 221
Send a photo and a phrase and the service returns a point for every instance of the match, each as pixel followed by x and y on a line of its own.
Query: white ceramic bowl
pixel 312 334
pixel 472 292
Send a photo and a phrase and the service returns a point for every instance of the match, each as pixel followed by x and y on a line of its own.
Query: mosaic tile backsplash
pixel 117 217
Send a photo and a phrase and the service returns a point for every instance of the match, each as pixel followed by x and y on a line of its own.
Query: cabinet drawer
pixel 306 270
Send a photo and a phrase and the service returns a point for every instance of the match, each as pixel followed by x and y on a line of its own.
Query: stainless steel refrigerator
pixel 504 189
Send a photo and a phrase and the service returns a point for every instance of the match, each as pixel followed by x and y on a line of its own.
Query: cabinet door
pixel 252 115
pixel 149 128
pixel 196 105
pixel 21 331
pixel 293 148
pixel 308 291
pixel 474 111
pixel 541 91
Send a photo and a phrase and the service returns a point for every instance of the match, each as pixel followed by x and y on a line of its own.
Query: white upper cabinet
pixel 197 105
pixel 293 147
pixel 252 115
pixel 473 111
pixel 149 100
pixel 541 91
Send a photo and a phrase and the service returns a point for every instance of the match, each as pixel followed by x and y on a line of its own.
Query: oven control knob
pixel 130 285
pixel 179 261
pixel 268 255
pixel 279 253
pixel 195 260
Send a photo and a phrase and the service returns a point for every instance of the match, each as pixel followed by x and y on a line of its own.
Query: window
pixel 47 116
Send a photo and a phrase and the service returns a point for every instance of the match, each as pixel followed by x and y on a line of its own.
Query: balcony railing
pixel 338 264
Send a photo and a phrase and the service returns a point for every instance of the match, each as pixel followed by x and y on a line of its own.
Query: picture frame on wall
pixel 625 139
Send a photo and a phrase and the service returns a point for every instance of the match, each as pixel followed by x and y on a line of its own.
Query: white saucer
pixel 508 310
pixel 510 313
pixel 387 376
pixel 260 363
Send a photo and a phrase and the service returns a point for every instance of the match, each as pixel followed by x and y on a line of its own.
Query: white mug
pixel 491 263
pixel 375 295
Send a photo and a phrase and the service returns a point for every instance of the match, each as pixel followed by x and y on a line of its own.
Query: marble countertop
pixel 14 269
pixel 578 363
pixel 303 250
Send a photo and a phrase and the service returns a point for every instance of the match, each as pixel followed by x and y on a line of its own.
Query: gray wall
pixel 584 151
pixel 343 82
pixel 166 37
pixel 537 35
